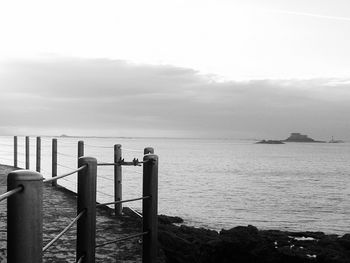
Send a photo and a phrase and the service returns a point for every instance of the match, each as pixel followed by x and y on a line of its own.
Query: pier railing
pixel 25 204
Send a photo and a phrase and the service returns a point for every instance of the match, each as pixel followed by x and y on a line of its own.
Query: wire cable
pixel 123 238
pixel 64 175
pixel 64 230
pixel 11 192
pixel 123 201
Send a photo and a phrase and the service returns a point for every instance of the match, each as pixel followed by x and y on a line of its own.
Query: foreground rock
pixel 248 244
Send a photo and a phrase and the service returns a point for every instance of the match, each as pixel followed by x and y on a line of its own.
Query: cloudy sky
pixel 209 68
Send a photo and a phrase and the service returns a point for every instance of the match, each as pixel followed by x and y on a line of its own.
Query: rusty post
pixel 38 154
pixel 27 152
pixel 25 217
pixel 118 179
pixel 54 161
pixel 150 208
pixel 15 151
pixel 86 227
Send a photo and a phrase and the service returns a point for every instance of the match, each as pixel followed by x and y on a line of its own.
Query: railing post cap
pixel 117 145
pixel 150 157
pixel 24 175
pixel 148 150
pixel 87 159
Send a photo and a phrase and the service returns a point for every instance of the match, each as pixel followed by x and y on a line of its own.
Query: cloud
pixel 116 98
pixel 339 18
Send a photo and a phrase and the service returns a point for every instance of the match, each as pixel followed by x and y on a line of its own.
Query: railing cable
pixel 134 162
pixel 132 150
pixel 64 166
pixel 122 239
pixel 64 175
pixel 64 230
pixel 66 154
pixel 123 201
pixel 105 178
pixel 81 259
pixel 99 146
pixel 11 192
pixel 135 212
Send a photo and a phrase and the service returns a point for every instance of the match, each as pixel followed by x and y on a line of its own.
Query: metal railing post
pixel 54 161
pixel 15 153
pixel 148 150
pixel 150 208
pixel 80 149
pixel 86 226
pixel 27 152
pixel 25 217
pixel 38 154
pixel 118 208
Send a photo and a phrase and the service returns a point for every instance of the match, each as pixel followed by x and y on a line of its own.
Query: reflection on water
pixel 223 183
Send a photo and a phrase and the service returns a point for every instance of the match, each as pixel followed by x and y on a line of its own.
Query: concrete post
pixel 150 209
pixel 86 226
pixel 25 217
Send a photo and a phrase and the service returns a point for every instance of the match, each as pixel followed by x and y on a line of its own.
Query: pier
pixel 63 226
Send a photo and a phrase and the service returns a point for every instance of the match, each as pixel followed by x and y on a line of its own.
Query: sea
pixel 219 183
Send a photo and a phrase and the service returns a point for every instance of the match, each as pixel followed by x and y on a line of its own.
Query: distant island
pixel 335 141
pixel 298 137
pixel 270 142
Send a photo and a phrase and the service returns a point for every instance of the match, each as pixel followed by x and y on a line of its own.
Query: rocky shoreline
pixel 247 244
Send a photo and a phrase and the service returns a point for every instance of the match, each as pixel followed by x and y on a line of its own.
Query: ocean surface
pixel 221 183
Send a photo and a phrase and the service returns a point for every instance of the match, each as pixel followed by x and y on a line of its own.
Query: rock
pixel 297 137
pixel 270 142
pixel 248 244
pixel 166 220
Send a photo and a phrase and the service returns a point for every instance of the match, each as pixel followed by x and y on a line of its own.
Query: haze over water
pixel 224 183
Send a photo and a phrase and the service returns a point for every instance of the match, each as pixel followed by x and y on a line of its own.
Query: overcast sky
pixel 220 68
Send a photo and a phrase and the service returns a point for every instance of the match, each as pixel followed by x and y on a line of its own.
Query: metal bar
pixel 64 230
pixel 25 217
pixel 15 149
pixel 54 161
pixel 27 152
pixel 124 201
pixel 11 192
pixel 118 192
pixel 122 239
pixel 86 227
pixel 38 154
pixel 150 208
pixel 64 175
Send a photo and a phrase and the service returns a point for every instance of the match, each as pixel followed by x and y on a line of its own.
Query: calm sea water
pixel 222 183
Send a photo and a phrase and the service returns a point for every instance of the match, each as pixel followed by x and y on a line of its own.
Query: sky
pixel 223 68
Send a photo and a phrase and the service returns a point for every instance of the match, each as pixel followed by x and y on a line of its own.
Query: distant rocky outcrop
pixel 247 244
pixel 270 142
pixel 297 137
pixel 335 141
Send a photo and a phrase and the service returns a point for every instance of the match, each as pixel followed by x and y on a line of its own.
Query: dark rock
pixel 297 137
pixel 166 220
pixel 248 244
pixel 270 142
